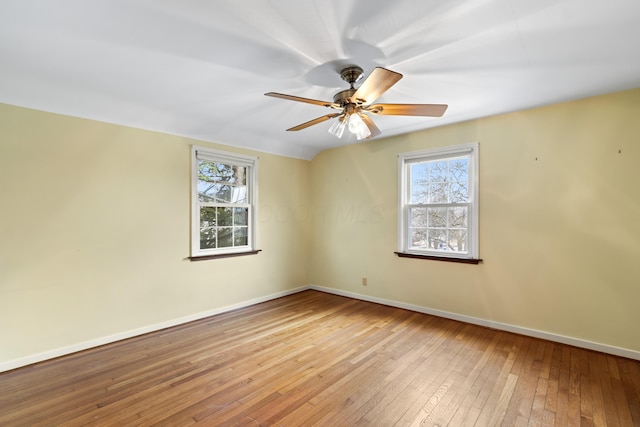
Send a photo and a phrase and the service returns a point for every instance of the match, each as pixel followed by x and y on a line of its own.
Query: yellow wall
pixel 94 233
pixel 94 227
pixel 559 222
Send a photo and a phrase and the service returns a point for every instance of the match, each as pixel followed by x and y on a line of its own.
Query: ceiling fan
pixel 353 104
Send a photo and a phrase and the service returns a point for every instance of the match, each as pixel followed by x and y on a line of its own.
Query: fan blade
pixel 314 122
pixel 378 82
pixel 372 126
pixel 429 110
pixel 300 99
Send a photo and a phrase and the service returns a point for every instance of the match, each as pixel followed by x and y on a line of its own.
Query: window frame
pixel 235 159
pixel 469 151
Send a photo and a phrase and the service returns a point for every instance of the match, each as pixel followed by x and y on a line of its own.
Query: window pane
pixel 438 171
pixel 208 175
pixel 239 175
pixel 438 192
pixel 419 182
pixel 240 237
pixel 459 192
pixel 222 193
pixel 459 170
pixel 225 217
pixel 418 238
pixel 206 191
pixel 208 238
pixel 458 217
pixel 437 217
pixel 225 237
pixel 207 228
pixel 238 194
pixel 240 216
pixel 458 240
pixel 437 239
pixel 418 230
pixel 418 217
pixel 207 217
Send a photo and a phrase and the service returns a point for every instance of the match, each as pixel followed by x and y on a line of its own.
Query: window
pixel 224 202
pixel 438 212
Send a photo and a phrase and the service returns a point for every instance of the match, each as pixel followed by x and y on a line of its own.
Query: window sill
pixel 229 255
pixel 439 258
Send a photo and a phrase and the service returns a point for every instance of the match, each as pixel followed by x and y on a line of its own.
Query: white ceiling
pixel 199 68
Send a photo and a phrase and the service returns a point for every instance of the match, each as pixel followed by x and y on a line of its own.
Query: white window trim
pixel 404 159
pixel 198 152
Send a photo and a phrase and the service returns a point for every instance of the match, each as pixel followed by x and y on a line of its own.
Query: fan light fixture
pixel 337 127
pixel 355 124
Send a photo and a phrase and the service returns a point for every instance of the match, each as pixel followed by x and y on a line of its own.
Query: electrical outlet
pixel 364 281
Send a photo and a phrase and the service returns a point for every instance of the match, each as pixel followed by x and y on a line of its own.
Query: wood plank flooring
pixel 319 359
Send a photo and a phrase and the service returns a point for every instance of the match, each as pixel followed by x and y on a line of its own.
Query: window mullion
pixel 438 205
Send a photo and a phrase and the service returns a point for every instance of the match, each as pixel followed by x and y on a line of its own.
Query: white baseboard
pixel 63 351
pixel 617 351
pixel 29 360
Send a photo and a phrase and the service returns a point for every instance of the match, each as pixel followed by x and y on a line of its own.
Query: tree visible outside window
pixel 438 202
pixel 224 202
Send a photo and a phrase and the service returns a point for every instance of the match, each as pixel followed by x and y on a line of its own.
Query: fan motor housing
pixel 344 97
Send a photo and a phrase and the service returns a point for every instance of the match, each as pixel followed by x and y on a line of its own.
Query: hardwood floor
pixel 319 359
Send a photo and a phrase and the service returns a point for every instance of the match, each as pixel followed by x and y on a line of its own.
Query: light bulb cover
pixel 337 128
pixel 358 127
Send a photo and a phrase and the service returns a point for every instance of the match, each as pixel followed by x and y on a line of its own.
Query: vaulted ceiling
pixel 200 68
